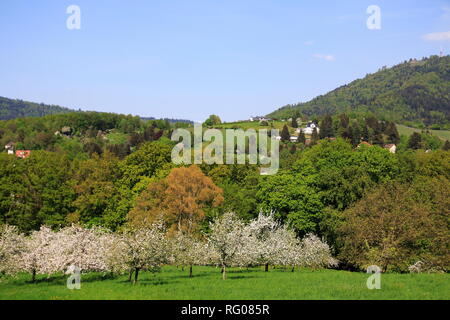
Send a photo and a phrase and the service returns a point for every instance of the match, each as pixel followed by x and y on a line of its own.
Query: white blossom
pixel 228 235
pixel 11 245
pixel 85 248
pixel 41 253
pixel 315 253
pixel 187 251
pixel 140 249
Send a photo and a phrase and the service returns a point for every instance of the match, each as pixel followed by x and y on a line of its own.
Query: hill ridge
pixel 413 92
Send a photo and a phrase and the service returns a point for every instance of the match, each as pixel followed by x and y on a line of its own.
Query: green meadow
pixel 407 131
pixel 245 284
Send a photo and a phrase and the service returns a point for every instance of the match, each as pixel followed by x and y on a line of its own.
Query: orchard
pixel 230 243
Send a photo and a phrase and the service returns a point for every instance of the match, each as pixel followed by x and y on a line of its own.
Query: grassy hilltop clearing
pixel 407 131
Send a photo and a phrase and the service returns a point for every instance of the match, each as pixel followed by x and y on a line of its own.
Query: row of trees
pixel 231 242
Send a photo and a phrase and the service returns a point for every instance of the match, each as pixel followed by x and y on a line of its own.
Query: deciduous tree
pixel 227 238
pixel 180 200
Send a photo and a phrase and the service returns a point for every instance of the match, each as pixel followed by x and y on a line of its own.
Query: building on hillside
pixel 10 147
pixel 309 128
pixel 67 131
pixel 293 138
pixel 258 118
pixel 391 147
pixel 23 153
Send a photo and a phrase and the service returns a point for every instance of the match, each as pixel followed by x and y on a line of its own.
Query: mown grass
pixel 117 137
pixel 242 284
pixel 407 131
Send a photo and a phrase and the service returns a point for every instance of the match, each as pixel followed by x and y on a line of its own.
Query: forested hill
pixel 416 91
pixel 11 109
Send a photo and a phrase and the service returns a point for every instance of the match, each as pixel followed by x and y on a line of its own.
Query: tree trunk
pixel 266 267
pixel 190 271
pixel 33 275
pixel 130 275
pixel 136 274
pixel 224 272
pixel 293 268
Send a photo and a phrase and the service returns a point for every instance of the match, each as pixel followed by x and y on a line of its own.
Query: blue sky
pixel 189 59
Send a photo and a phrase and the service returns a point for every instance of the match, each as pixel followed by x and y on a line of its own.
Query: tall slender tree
pixel 392 133
pixel 415 141
pixel 378 139
pixel 344 121
pixel 326 127
pixel 301 137
pixel 285 135
pixel 314 137
pixel 446 146
pixel 355 134
pixel 294 120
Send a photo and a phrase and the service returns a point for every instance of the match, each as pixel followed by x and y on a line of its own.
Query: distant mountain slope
pixel 11 109
pixel 14 108
pixel 414 91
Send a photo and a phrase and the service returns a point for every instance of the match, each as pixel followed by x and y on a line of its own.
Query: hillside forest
pixel 115 171
pixel 415 93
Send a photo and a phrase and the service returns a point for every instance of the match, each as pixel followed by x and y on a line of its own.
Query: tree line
pixel 231 243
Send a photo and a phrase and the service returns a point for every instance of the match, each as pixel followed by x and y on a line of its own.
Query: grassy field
pixel 407 131
pixel 250 125
pixel 117 138
pixel 172 283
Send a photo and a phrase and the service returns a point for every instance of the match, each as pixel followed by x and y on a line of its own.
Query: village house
pixel 18 153
pixel 258 118
pixel 67 131
pixel 309 128
pixel 23 153
pixel 391 147
pixel 10 147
